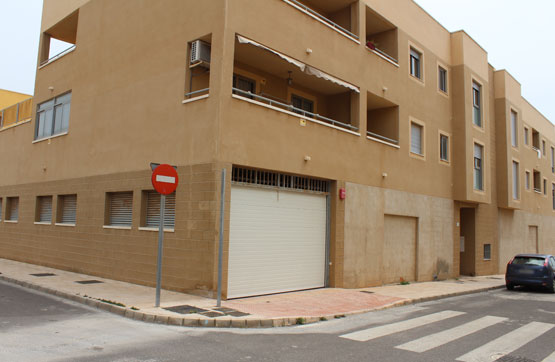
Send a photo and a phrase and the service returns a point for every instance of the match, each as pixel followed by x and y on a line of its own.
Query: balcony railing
pixel 371 46
pixel 323 18
pixel 58 56
pixel 383 138
pixel 291 108
pixel 197 92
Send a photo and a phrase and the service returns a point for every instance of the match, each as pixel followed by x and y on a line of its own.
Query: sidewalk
pixel 137 302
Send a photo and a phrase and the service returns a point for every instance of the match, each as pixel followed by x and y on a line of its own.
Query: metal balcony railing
pixel 324 19
pixel 291 108
pixel 59 55
pixel 190 94
pixel 382 53
pixel 383 138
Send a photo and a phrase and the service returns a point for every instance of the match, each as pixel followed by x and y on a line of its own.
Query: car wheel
pixel 510 286
pixel 552 289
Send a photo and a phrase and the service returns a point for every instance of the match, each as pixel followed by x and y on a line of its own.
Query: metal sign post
pixel 221 243
pixel 165 180
pixel 160 248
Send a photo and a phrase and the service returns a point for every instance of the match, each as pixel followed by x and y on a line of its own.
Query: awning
pixel 305 68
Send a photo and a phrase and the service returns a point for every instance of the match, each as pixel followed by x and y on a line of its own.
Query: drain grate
pixel 237 314
pixel 514 359
pixel 89 281
pixel 43 275
pixel 212 314
pixel 366 291
pixel 186 309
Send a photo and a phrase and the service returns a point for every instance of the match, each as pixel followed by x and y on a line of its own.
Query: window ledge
pixel 15 125
pixel 43 223
pixel 167 230
pixel 64 224
pixel 116 227
pixel 382 142
pixel 190 100
pixel 294 114
pixel 50 137
pixel 11 221
pixel 56 57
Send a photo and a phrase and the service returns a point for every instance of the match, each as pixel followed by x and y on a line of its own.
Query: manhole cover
pixel 366 291
pixel 237 314
pixel 88 281
pixel 43 274
pixel 186 309
pixel 213 314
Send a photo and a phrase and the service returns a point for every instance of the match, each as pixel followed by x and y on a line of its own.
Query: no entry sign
pixel 164 179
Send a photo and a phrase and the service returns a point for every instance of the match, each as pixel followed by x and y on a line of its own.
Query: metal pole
pixel 160 245
pixel 221 245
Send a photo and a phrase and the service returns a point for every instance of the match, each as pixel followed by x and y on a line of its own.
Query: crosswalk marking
pixel 506 343
pixel 376 332
pixel 437 339
pixel 550 358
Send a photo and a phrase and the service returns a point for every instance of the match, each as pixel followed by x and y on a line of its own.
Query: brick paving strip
pixel 286 309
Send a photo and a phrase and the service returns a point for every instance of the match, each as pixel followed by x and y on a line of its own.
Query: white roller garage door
pixel 277 241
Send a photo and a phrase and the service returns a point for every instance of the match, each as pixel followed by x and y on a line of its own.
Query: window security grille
pixel 69 209
pixel 241 175
pixel 487 251
pixel 44 208
pixel 153 210
pixel 121 208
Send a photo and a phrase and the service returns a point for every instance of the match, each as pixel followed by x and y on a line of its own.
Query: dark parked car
pixel 531 270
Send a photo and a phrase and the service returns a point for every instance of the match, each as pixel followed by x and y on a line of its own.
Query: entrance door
pixel 468 242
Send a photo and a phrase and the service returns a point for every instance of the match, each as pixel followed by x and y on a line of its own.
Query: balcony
pixel 59 40
pixel 198 71
pixel 382 120
pixel 16 114
pixel 339 15
pixel 274 80
pixel 381 37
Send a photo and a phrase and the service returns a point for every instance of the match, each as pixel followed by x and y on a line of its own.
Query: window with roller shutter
pixel 44 209
pixel 12 209
pixel 152 218
pixel 1 209
pixel 120 209
pixel 67 205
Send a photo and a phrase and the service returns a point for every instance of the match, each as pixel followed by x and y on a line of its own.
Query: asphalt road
pixel 510 326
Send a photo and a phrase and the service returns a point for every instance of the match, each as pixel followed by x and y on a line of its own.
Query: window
pixel 242 84
pixel 44 209
pixel 477 104
pixel 53 117
pixel 478 167
pixel 527 180
pixel 12 209
pixel 416 144
pixel 487 251
pixel 514 129
pixel 120 209
pixel 302 105
pixel 415 63
pixel 552 159
pixel 537 181
pixel 0 209
pixel 552 195
pixel 444 147
pixel 526 131
pixel 152 215
pixel 67 209
pixel 516 185
pixel 535 139
pixel 545 186
pixel 544 153
pixel 442 79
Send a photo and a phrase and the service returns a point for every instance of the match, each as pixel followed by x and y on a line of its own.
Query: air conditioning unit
pixel 200 54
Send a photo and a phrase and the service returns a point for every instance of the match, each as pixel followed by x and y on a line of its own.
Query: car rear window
pixel 525 260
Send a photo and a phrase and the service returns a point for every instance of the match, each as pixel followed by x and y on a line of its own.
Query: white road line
pixel 507 343
pixel 376 332
pixel 550 358
pixel 437 339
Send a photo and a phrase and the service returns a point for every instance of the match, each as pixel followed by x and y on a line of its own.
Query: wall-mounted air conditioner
pixel 200 54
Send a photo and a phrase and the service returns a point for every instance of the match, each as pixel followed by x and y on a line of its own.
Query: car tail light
pixel 510 261
pixel 546 262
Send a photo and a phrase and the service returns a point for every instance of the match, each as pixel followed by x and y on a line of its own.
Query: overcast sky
pixel 518 36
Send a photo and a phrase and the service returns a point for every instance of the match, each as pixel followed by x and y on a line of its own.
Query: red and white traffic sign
pixel 164 179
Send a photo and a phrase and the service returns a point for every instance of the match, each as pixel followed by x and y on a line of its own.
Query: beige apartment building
pixel 364 144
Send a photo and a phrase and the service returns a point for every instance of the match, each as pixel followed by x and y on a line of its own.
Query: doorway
pixel 468 242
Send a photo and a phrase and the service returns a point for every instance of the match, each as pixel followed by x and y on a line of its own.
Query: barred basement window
pixel 152 217
pixel 120 208
pixel 44 209
pixel 67 209
pixel 270 179
pixel 487 251
pixel 12 209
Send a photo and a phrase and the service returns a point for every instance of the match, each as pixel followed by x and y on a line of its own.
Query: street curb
pixel 226 322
